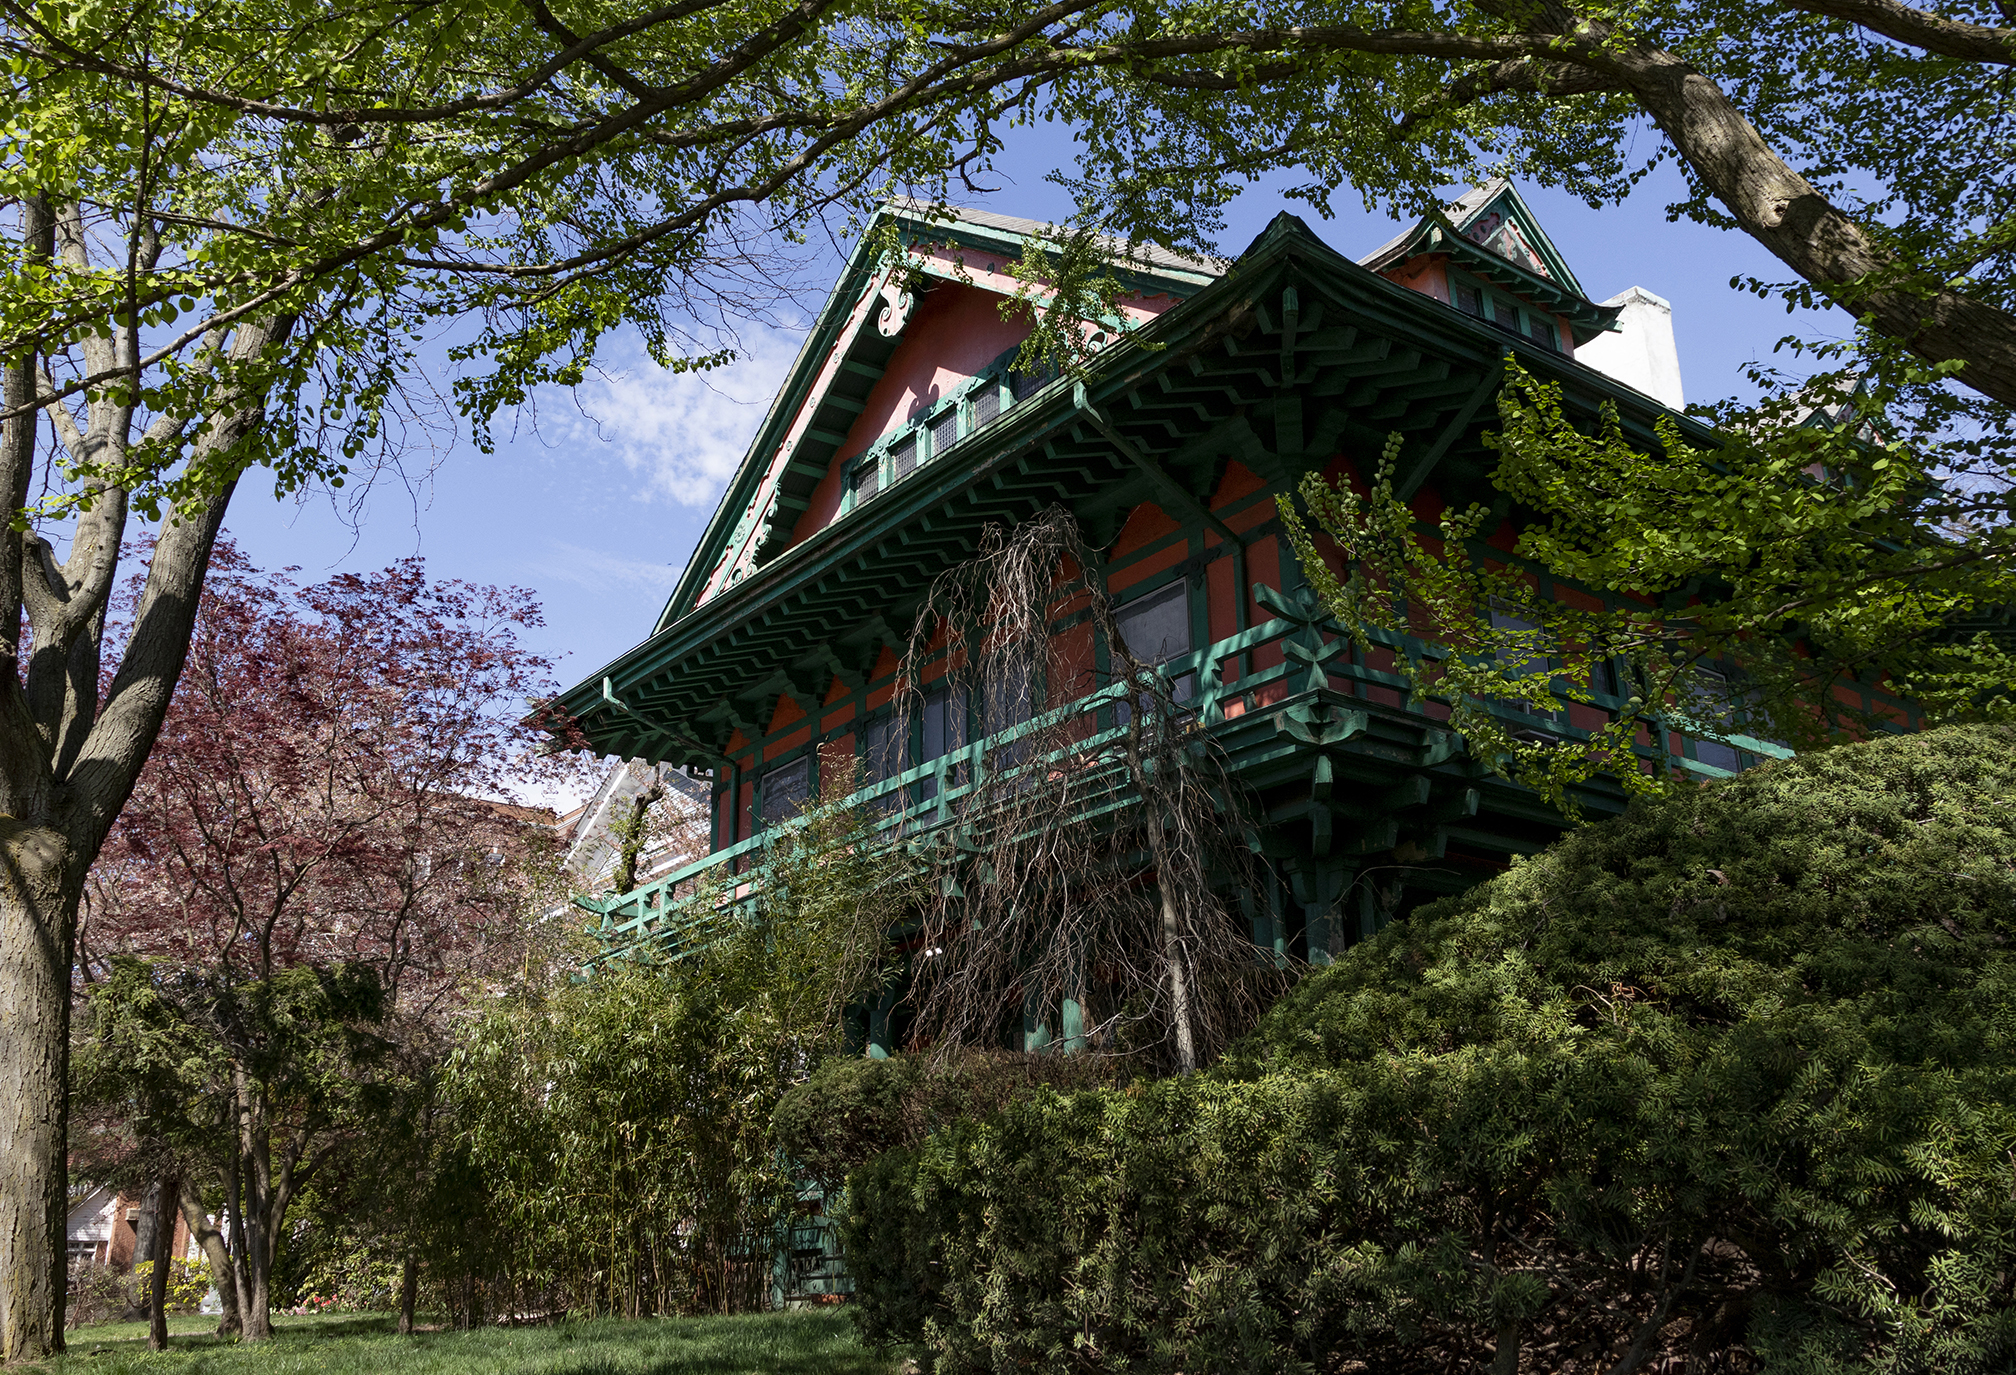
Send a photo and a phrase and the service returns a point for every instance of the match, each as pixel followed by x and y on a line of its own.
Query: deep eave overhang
pixel 757 610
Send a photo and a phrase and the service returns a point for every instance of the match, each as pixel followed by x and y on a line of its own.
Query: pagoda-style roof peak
pixel 1491 232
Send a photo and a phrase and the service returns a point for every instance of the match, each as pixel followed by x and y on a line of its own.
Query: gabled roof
pixel 1016 229
pixel 1297 355
pixel 1491 232
pixel 844 354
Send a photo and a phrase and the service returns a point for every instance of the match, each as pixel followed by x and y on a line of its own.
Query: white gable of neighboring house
pixel 1640 352
pixel 88 1230
pixel 593 847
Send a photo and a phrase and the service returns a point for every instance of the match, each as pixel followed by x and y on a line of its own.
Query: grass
pixel 818 1342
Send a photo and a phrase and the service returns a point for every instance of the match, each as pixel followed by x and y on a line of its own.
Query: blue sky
pixel 598 505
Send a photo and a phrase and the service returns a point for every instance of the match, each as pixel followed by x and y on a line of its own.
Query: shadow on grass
pixel 814 1343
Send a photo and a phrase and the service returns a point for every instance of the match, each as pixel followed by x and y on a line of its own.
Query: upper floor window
pixel 1495 308
pixel 1725 705
pixel 1156 627
pixel 935 432
pixel 866 480
pixel 894 743
pixel 941 730
pixel 783 792
pixel 1533 666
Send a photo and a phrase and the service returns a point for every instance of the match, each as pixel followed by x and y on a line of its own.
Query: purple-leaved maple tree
pixel 314 866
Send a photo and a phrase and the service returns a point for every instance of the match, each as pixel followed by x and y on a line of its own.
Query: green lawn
pixel 821 1342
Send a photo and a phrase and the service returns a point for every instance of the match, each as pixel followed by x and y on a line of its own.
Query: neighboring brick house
pixel 107 1227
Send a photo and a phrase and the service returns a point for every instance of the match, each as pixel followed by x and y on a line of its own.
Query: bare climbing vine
pixel 1089 888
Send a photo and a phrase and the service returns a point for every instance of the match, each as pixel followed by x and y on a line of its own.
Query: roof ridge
pixel 1137 250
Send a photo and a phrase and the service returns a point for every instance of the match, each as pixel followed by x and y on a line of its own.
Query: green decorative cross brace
pixel 1303 609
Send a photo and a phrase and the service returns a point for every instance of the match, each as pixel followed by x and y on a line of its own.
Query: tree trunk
pixel 212 1241
pixel 409 1293
pixel 256 1223
pixel 164 1255
pixel 38 913
pixel 1790 217
pixel 1179 986
pixel 255 1295
pixel 144 1232
pixel 1150 802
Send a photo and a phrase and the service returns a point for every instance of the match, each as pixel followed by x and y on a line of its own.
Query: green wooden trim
pixel 1020 456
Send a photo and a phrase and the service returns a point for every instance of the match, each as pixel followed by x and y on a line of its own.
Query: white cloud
pixel 602 571
pixel 685 433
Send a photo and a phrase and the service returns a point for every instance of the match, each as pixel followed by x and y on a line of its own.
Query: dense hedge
pixel 853 1109
pixel 1732 1077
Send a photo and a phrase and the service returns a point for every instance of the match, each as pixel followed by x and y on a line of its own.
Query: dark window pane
pixel 986 404
pixel 1504 316
pixel 944 726
pixel 1718 707
pixel 1603 678
pixel 944 430
pixel 866 475
pixel 1533 666
pixel 785 790
pixel 1157 627
pixel 1007 696
pixel 884 753
pixel 1470 301
pixel 904 459
pixel 1718 754
pixel 1006 700
pixel 943 730
pixel 1026 384
pixel 1541 327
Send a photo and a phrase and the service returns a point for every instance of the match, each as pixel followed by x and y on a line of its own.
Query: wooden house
pixel 904 429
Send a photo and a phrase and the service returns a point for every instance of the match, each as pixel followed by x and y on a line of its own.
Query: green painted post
pixel 1072 1022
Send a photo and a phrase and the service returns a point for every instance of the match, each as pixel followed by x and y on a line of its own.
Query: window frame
pixel 1009 388
pixel 801 758
pixel 1554 718
pixel 1491 299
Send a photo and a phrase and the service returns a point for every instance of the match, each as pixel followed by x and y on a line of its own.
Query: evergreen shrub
pixel 854 1108
pixel 1728 1082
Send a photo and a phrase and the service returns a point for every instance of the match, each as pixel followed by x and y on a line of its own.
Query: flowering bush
pixel 99 1293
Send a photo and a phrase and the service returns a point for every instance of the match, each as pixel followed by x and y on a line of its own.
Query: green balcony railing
pixel 1228 692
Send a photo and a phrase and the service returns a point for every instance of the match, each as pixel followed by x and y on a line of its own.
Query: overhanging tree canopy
pixel 233 221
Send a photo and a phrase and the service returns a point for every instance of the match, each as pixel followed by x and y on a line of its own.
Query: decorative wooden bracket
pixel 901 303
pixel 1167 487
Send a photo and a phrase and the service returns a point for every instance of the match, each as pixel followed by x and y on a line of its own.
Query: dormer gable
pixel 1487 255
pixel 905 359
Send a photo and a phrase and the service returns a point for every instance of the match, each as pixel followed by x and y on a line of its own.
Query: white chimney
pixel 1640 353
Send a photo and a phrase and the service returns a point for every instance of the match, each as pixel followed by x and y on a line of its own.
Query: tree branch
pixel 110 758
pixel 1921 29
pixel 1540 75
pixel 62 54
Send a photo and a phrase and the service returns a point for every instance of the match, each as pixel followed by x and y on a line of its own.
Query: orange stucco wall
pixel 957 331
